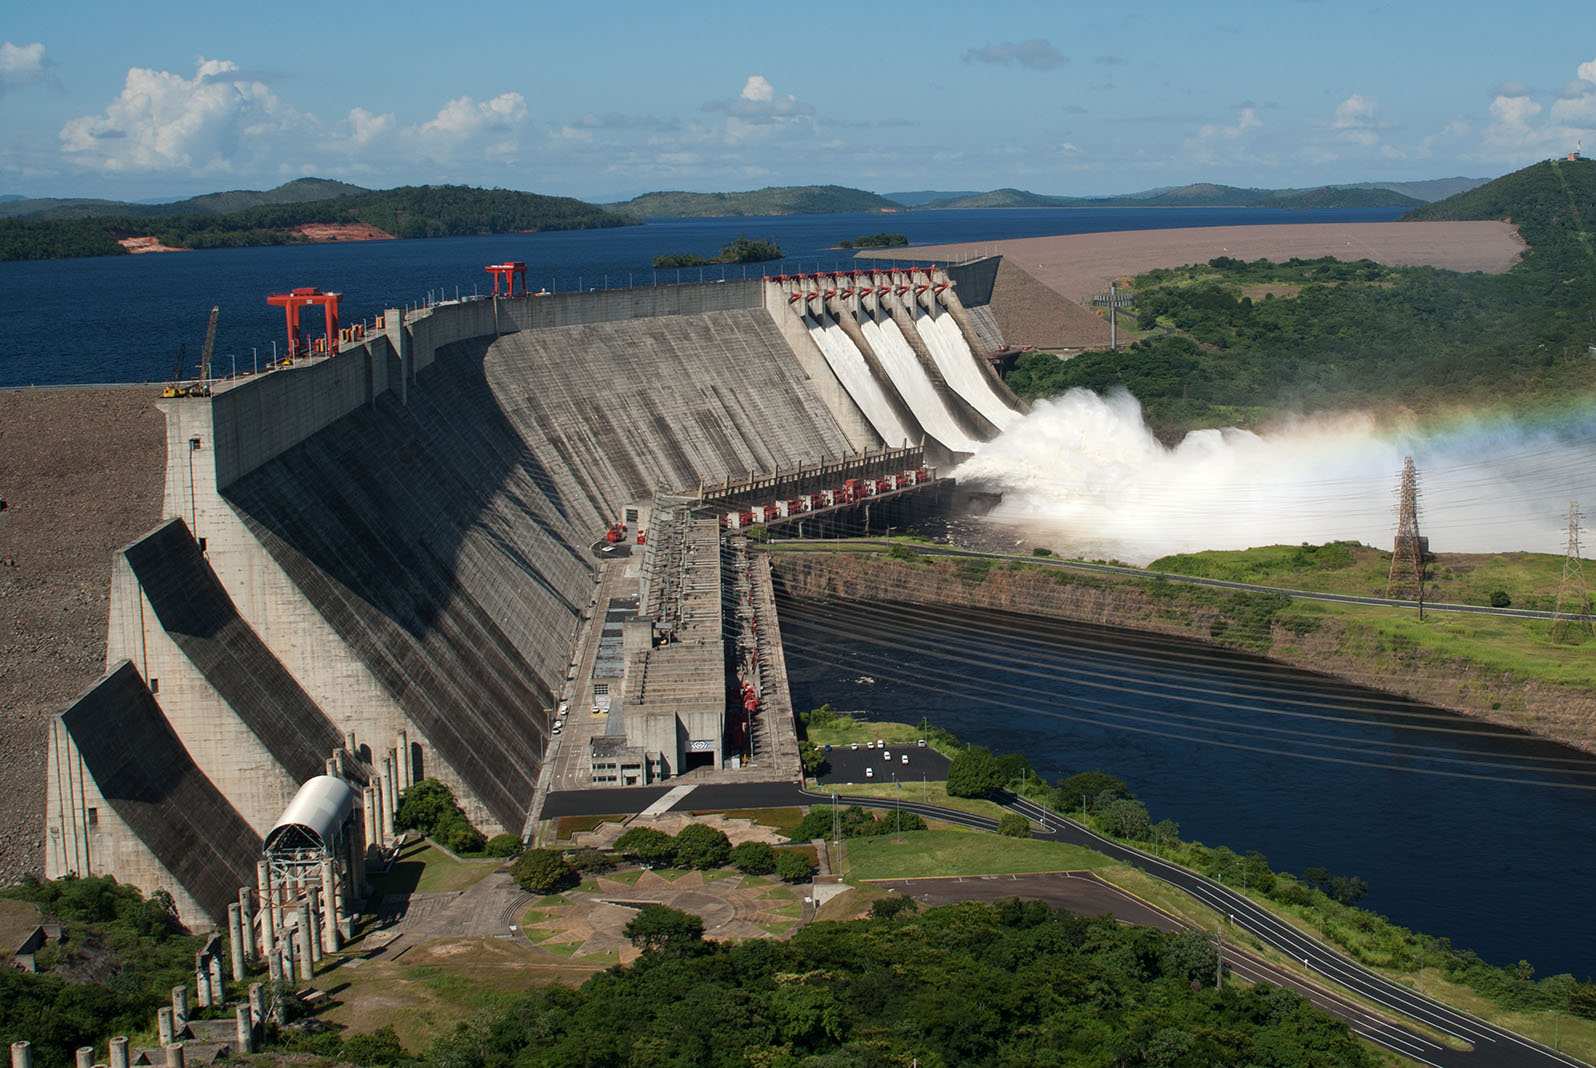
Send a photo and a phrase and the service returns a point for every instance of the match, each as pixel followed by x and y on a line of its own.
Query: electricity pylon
pixel 1571 590
pixel 1407 555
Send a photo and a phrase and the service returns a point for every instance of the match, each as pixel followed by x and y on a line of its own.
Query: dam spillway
pixel 375 564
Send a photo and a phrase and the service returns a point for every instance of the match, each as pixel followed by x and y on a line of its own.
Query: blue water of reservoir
pixel 122 318
pixel 1461 829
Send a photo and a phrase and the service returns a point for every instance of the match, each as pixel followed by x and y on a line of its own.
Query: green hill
pixel 298 191
pixel 409 211
pixel 1552 203
pixel 772 200
pixel 1197 195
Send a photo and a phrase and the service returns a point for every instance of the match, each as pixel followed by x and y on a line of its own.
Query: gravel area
pixel 81 473
pixel 1075 266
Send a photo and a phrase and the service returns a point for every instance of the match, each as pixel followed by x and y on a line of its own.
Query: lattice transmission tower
pixel 1407 556
pixel 1572 617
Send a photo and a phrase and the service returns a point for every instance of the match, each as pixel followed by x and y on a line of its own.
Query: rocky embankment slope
pixel 80 473
pixel 1331 645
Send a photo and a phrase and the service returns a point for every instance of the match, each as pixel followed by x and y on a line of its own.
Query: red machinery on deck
pixel 305 297
pixel 509 272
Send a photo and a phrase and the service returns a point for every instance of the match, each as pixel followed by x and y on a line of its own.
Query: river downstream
pixel 1461 829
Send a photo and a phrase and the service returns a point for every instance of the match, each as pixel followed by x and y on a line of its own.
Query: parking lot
pixel 845 765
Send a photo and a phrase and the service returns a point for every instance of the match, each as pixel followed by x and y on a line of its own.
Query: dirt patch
pixel 343 232
pixel 139 245
pixel 81 473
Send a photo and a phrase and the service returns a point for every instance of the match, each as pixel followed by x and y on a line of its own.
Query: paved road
pixel 1492 1046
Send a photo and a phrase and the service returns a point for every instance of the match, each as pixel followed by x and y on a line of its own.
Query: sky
pixel 605 101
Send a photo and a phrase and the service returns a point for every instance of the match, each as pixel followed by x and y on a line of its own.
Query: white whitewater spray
pixel 1082 474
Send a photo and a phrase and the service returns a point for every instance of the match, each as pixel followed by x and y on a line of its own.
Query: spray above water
pixel 1083 475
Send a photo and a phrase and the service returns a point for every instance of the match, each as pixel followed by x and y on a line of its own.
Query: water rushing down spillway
pixel 913 384
pixel 848 364
pixel 953 358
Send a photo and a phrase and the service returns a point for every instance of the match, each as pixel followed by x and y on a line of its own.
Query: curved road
pixel 1491 1046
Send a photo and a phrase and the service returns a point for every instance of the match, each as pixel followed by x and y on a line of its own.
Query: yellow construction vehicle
pixel 201 386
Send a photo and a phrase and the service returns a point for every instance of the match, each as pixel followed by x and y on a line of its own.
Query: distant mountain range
pixel 792 200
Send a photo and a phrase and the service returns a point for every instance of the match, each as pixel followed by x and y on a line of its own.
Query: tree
pixel 814 759
pixel 890 907
pixel 662 929
pixel 699 845
pixel 753 858
pixel 792 866
pixel 503 845
pixel 1014 825
pixel 1089 785
pixel 974 772
pixel 1348 889
pixel 647 845
pixel 1125 818
pixel 429 807
pixel 379 1047
pixel 542 871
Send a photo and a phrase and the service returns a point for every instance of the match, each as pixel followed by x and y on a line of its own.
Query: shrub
pixel 503 845
pixel 1500 599
pixel 542 871
pixel 792 866
pixel 429 807
pixel 754 858
pixel 699 845
pixel 588 859
pixel 380 1047
pixel 1014 825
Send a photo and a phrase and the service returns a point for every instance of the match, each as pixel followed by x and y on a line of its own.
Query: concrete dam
pixel 374 566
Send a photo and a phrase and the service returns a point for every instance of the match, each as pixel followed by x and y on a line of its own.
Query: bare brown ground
pixel 1075 266
pixel 140 245
pixel 343 232
pixel 80 473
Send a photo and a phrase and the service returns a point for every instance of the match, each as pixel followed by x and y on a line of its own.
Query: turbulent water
pixel 1082 474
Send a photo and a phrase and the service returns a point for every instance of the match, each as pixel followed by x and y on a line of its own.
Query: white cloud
pixel 1214 132
pixel 22 66
pixel 1354 120
pixel 759 104
pixel 1587 71
pixel 223 121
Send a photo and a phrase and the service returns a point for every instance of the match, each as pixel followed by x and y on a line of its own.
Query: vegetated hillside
pixel 1200 195
pixel 1005 984
pixel 1553 204
pixel 298 191
pixel 772 200
pixel 1230 343
pixel 409 211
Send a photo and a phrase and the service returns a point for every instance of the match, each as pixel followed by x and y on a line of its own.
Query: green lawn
pixel 422 869
pixel 923 854
pixel 844 730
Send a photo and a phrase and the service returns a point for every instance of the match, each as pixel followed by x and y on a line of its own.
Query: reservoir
pixel 1462 830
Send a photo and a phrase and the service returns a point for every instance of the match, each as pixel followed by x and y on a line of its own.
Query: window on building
pixel 93 817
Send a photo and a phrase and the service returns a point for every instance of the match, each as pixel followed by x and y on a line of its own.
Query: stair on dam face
pixel 434 544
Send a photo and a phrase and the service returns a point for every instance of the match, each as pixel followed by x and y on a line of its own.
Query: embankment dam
pixel 374 564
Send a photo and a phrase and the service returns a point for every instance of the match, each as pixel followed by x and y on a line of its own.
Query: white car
pixel 886 756
pixel 870 745
pixel 906 758
pixel 855 745
pixel 870 773
pixel 555 729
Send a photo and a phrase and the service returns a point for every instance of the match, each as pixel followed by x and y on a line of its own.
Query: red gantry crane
pixel 305 297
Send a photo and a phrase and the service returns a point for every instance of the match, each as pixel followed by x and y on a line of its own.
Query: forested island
pixel 881 240
pixel 772 200
pixel 1229 343
pixel 405 212
pixel 742 250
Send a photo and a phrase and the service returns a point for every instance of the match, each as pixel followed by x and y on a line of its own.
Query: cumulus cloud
pixel 760 104
pixel 1037 54
pixel 224 121
pixel 1522 128
pixel 1354 120
pixel 22 66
